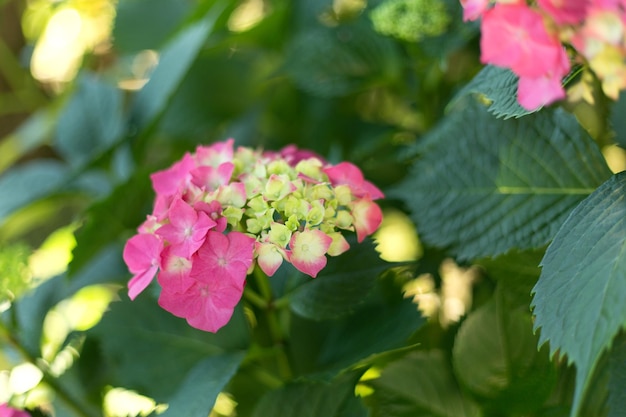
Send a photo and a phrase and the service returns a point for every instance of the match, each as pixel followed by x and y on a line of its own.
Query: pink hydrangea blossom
pixel 6 411
pixel 533 93
pixel 221 212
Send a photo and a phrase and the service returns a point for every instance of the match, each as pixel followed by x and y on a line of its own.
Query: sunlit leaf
pixel 419 385
pixel 495 357
pixel 485 186
pixel 580 298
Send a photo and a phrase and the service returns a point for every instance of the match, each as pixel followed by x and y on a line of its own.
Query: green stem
pixel 276 334
pixel 254 298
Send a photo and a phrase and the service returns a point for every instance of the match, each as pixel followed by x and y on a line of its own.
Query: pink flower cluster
pixel 529 38
pixel 6 411
pixel 221 211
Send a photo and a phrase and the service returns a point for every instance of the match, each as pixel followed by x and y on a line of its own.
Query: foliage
pixel 529 320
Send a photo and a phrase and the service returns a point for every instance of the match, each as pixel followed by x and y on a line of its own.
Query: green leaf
pixel 516 273
pixel 198 392
pixel 29 182
pixel 369 332
pixel 331 62
pixel 580 298
pixel 617 378
pixel 313 399
pixel 618 122
pixel 146 24
pixel 123 210
pixel 499 87
pixel 174 62
pixel 419 385
pixel 342 285
pixel 495 357
pixel 144 345
pixel 485 186
pixel 91 122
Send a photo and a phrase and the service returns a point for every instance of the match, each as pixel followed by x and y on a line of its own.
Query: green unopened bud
pixel 316 214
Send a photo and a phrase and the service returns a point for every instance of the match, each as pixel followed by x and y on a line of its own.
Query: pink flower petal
pixel 211 178
pixel 533 93
pixel 308 251
pixel 215 154
pixel 171 180
pixel 350 175
pixel 515 36
pixel 187 228
pixel 175 271
pixel 269 257
pixel 473 9
pixel 142 254
pixel 224 257
pixel 367 217
pixel 565 12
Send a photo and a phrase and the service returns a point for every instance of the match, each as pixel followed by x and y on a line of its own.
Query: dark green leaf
pixel 618 121
pixel 419 385
pixel 370 331
pixel 28 182
pixel 198 392
pixel 123 210
pixel 516 273
pixel 342 285
pixel 146 24
pixel 485 186
pixel 91 122
pixel 499 87
pixel 330 62
pixel 175 60
pixel 495 356
pixel 144 345
pixel 617 378
pixel 580 298
pixel 313 399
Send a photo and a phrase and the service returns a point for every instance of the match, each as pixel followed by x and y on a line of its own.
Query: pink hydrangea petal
pixel 533 93
pixel 214 211
pixel 170 181
pixel 215 154
pixel 367 217
pixel 140 281
pixel 269 257
pixel 515 36
pixel 187 228
pixel 142 252
pixel 308 251
pixel 175 271
pixel 565 11
pixel 350 175
pixel 227 257
pixel 473 9
pixel 211 178
pixel 6 411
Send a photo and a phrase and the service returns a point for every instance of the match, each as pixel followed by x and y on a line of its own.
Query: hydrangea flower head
pixel 221 211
